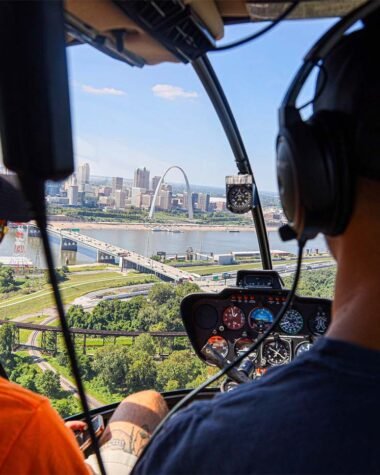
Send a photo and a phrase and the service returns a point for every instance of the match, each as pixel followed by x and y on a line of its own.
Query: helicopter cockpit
pixel 240 323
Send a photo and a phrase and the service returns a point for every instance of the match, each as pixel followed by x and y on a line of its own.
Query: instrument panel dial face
pixel 242 345
pixel 303 348
pixel 260 318
pixel 319 323
pixel 292 322
pixel 233 318
pixel 219 344
pixel 240 198
pixel 276 352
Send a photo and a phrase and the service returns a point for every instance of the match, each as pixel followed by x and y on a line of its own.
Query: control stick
pixel 217 359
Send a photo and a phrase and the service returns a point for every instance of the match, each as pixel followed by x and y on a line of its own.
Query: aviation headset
pixel 315 162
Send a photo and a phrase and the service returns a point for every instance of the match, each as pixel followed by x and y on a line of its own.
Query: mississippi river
pixel 148 243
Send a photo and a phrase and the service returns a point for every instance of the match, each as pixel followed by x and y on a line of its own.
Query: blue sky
pixel 159 116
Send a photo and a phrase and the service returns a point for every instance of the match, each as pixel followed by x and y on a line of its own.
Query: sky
pixel 158 116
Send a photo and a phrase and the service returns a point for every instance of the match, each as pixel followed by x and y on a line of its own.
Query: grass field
pixel 95 267
pixel 208 270
pixel 74 287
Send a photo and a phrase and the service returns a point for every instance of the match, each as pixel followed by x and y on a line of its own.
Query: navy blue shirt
pixel 319 414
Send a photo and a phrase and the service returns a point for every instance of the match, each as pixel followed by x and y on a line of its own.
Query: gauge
pixel 260 318
pixel 239 198
pixel 292 322
pixel 276 352
pixel 319 323
pixel 233 318
pixel 219 344
pixel 242 344
pixel 303 347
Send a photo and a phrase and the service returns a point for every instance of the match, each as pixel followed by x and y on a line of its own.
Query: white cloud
pixel 170 93
pixel 102 91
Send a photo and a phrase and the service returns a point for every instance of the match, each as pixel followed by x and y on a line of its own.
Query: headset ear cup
pixel 334 133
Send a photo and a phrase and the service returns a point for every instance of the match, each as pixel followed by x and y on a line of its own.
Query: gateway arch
pixel 189 198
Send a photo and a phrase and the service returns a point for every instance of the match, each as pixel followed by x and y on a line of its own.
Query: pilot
pixel 319 414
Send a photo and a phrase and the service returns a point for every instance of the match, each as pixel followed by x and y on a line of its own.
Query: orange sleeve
pixel 44 446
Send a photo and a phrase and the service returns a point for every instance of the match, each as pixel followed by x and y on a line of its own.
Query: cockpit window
pixel 143 222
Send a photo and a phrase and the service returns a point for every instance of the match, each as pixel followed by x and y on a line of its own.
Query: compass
pixel 239 192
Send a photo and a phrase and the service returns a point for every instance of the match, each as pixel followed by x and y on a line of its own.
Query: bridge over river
pixel 110 254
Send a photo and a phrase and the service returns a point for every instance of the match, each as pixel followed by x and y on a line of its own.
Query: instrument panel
pixel 236 317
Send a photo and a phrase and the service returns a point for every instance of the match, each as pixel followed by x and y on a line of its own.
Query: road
pixel 44 365
pixel 139 260
pixel 90 300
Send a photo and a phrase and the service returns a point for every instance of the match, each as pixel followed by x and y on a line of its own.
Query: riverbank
pixel 148 227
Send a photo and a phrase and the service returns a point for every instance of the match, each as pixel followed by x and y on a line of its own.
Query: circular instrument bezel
pixel 300 322
pixel 259 325
pixel 270 361
pixel 228 320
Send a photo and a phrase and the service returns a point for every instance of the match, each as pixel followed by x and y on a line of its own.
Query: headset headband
pixel 319 52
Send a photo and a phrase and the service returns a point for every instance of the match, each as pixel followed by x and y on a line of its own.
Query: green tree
pixel 111 367
pixel 144 343
pixel 7 338
pixel 179 370
pixel 67 406
pixel 161 293
pixel 76 316
pixel 7 279
pixel 141 371
pixel 47 383
pixel 315 283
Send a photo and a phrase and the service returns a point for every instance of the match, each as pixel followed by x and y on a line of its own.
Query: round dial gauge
pixel 242 345
pixel 291 322
pixel 260 318
pixel 219 344
pixel 233 318
pixel 240 198
pixel 319 323
pixel 276 352
pixel 303 348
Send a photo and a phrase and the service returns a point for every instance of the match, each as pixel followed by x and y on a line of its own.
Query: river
pixel 148 243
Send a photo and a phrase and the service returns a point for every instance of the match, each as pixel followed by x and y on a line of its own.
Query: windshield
pixel 149 152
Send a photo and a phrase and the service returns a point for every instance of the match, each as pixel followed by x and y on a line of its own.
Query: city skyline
pixel 126 118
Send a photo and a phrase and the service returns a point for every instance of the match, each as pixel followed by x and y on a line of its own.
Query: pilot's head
pixel 350 83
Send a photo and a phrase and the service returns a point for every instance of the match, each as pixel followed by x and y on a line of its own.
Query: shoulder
pixel 16 398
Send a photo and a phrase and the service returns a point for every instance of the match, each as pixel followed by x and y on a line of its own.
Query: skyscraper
pixel 141 179
pixel 117 184
pixel 155 181
pixel 203 201
pixel 83 174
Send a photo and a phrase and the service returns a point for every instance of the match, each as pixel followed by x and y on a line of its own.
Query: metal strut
pixel 210 81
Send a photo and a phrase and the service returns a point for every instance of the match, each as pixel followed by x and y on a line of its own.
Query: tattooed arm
pixel 129 430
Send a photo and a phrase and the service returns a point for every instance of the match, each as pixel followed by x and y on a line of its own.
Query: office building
pixel 164 200
pixel 203 201
pixel 83 174
pixel 136 196
pixel 119 199
pixel 117 184
pixel 141 178
pixel 155 181
pixel 72 194
pixel 146 201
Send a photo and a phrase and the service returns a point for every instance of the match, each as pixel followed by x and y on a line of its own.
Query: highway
pixel 138 260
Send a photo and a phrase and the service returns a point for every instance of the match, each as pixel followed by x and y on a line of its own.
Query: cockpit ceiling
pixel 109 25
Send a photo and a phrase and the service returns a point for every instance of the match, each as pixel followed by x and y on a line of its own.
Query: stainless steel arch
pixel 189 199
